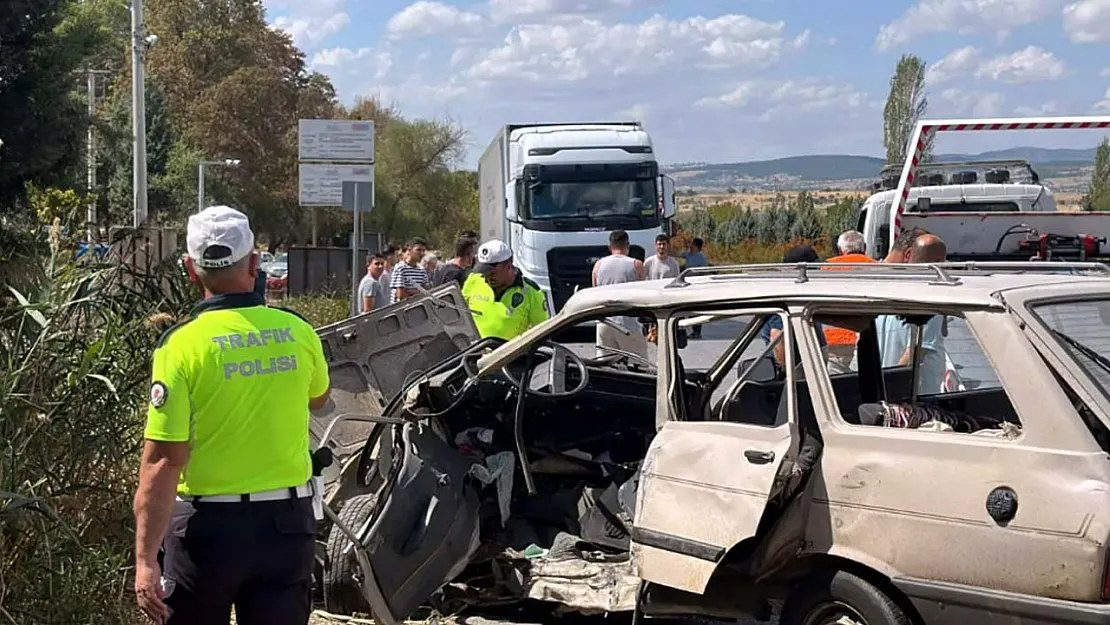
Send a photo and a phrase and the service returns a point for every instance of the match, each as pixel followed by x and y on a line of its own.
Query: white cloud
pixel 771 97
pixel 309 30
pixel 417 89
pixel 1104 103
pixel 589 48
pixel 636 112
pixel 1105 73
pixel 1088 21
pixel 339 57
pixel 964 17
pixel 428 17
pixel 504 11
pixel 959 62
pixel 1030 64
pixel 1048 108
pixel 973 103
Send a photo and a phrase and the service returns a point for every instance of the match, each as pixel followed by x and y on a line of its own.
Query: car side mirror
pixel 924 204
pixel 764 370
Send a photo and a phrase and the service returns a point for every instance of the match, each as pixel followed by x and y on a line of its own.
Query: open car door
pixel 371 356
pixel 706 485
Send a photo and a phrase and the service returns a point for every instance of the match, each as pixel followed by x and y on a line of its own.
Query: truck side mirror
pixel 667 186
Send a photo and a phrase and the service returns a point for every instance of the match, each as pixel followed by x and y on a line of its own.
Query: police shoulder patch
pixel 518 299
pixel 158 394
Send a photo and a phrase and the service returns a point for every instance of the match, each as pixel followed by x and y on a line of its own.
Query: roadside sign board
pixel 343 140
pixel 362 192
pixel 322 184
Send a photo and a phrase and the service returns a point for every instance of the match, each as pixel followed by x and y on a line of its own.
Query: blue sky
pixel 714 80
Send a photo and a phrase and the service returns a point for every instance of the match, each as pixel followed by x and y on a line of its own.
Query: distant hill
pixel 819 168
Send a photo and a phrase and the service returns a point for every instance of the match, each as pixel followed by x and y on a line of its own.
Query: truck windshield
pixel 1083 328
pixel 594 199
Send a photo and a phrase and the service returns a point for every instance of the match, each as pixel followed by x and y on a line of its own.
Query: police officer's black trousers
pixel 257 556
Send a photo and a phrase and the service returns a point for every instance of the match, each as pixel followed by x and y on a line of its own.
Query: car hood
pixel 371 357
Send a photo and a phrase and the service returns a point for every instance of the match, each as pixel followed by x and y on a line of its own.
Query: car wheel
pixel 841 598
pixel 342 576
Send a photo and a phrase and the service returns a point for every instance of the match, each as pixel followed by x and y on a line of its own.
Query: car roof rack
pixel 934 273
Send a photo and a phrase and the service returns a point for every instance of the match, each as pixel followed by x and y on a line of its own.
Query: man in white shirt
pixel 662 265
pixel 373 292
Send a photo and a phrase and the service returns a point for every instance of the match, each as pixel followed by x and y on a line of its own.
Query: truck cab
pixel 553 192
pixel 947 197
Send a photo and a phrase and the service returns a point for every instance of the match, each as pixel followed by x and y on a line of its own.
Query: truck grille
pixel 573 266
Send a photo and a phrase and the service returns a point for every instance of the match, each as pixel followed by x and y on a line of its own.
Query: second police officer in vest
pixel 504 302
pixel 224 482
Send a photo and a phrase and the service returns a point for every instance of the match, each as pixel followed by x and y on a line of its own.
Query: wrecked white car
pixel 756 485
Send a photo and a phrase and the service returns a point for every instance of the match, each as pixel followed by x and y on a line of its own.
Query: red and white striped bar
pixel 927 128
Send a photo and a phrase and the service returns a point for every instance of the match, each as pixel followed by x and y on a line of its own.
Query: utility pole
pixel 90 160
pixel 138 113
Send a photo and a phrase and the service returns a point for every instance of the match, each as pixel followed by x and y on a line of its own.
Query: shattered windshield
pixel 1083 328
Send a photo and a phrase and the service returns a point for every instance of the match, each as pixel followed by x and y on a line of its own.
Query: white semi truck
pixel 553 192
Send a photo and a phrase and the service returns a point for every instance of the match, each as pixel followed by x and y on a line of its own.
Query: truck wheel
pixel 841 598
pixel 342 577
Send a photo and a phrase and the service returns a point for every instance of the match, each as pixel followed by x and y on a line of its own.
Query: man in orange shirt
pixel 841 342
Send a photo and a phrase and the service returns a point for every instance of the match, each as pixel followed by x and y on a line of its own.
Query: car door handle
pixel 756 456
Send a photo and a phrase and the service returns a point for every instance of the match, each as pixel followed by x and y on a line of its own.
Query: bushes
pixel 319 310
pixel 75 343
pixel 741 235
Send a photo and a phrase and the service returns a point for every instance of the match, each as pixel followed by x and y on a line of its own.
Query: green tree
pixel 698 223
pixel 906 103
pixel 730 232
pixel 420 191
pixel 841 216
pixel 43 44
pixel 807 224
pixel 1097 197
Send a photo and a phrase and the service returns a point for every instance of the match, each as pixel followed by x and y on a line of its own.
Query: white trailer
pixel 553 192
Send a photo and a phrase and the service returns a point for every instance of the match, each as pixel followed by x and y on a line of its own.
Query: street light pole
pixel 138 113
pixel 200 186
pixel 227 162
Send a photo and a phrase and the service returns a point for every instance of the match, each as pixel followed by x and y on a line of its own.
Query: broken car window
pixel 946 399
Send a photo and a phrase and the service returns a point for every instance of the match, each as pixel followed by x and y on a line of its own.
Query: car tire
pixel 342 577
pixel 826 597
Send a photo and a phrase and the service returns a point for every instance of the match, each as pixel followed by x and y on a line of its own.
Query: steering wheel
pixel 557 357
pixel 613 351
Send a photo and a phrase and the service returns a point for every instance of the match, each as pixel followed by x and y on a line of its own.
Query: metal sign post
pixel 357 198
pixel 336 168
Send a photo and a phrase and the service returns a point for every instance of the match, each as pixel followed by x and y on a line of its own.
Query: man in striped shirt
pixel 409 276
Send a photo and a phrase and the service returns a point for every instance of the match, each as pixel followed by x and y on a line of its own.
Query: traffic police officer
pixel 504 302
pixel 224 483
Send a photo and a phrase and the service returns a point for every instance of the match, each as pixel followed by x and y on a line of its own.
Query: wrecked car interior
pixel 522 483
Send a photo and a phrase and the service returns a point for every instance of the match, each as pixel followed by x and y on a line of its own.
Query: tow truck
pixel 985 210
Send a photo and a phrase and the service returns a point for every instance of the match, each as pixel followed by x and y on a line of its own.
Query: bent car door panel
pixel 371 355
pixel 427 527
pixel 704 488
